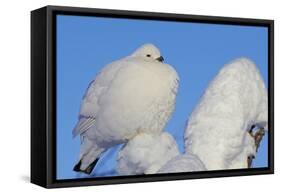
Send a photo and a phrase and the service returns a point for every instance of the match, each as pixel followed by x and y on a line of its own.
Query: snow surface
pixel 146 153
pixel 183 163
pixel 217 130
pixel 129 96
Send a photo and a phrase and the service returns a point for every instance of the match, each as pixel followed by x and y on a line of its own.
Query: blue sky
pixel 197 52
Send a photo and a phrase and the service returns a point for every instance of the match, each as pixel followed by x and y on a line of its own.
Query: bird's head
pixel 149 53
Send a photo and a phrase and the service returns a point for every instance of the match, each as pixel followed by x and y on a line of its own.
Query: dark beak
pixel 160 59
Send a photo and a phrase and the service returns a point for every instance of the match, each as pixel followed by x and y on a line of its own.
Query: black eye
pixel 148 55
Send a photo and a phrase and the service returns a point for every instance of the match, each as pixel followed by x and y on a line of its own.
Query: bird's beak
pixel 160 59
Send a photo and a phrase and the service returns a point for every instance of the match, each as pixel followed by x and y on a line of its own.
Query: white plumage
pixel 129 96
pixel 218 128
pixel 146 153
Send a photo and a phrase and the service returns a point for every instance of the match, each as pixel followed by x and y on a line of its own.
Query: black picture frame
pixel 43 95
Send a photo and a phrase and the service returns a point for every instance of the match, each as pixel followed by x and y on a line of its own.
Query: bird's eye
pixel 148 55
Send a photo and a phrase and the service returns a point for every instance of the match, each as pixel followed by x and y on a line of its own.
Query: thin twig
pixel 258 135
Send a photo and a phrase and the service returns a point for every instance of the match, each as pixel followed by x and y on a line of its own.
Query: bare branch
pixel 257 135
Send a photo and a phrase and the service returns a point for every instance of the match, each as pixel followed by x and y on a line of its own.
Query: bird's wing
pixel 89 106
pixel 83 125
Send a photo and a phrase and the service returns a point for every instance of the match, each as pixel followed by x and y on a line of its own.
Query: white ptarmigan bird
pixel 155 153
pixel 129 96
pixel 146 153
pixel 220 129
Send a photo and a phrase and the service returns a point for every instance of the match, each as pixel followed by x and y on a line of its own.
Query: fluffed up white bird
pixel 146 153
pixel 129 96
pixel 220 129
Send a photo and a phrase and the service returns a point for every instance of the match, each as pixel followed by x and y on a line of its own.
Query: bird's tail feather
pixel 89 156
pixel 87 170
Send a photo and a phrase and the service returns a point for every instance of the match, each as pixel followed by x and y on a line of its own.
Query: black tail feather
pixel 77 166
pixel 88 170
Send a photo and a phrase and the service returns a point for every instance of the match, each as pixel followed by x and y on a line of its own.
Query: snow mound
pixel 183 163
pixel 146 153
pixel 218 128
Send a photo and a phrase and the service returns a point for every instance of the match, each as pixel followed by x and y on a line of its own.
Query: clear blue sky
pixel 197 51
